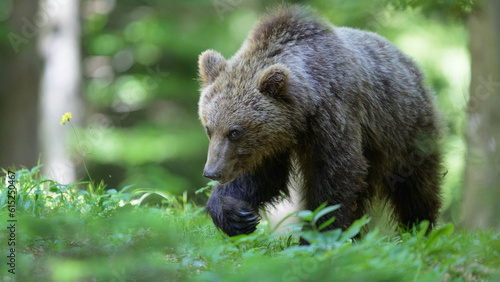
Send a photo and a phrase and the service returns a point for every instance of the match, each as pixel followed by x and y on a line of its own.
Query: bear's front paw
pixel 239 221
pixel 233 216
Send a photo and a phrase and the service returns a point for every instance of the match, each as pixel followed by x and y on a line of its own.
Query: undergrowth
pixel 82 232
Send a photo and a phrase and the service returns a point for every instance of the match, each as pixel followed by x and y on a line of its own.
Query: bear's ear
pixel 210 64
pixel 273 80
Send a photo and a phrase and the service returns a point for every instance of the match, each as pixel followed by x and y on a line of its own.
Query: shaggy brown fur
pixel 346 105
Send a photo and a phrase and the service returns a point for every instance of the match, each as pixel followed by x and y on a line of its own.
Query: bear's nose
pixel 212 175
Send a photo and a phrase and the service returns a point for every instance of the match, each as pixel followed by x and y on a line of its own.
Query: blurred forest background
pixel 127 70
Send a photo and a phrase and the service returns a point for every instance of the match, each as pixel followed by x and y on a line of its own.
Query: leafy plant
pixel 70 234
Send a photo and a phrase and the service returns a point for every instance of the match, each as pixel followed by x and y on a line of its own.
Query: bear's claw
pixel 240 222
pixel 237 217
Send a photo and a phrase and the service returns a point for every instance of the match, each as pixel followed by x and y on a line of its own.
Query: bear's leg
pixel 334 171
pixel 414 188
pixel 352 205
pixel 234 206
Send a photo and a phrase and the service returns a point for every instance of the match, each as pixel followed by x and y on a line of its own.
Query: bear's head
pixel 245 111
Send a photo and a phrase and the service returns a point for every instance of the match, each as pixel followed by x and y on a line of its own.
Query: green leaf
pixel 27 204
pixel 324 211
pixel 354 229
pixel 305 215
pixel 333 235
pixel 318 209
pixel 282 220
pixel 326 223
pixel 53 188
pixel 422 229
pixel 210 185
pixel 126 188
pixel 446 230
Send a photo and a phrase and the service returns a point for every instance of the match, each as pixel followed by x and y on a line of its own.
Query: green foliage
pixel 72 233
pixel 458 9
pixel 207 190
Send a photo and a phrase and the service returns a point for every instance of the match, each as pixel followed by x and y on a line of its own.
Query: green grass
pixel 80 233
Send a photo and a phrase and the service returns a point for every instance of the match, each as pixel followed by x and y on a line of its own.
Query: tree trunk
pixel 60 85
pixel 19 76
pixel 482 177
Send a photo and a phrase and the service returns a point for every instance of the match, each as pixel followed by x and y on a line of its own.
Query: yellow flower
pixel 66 117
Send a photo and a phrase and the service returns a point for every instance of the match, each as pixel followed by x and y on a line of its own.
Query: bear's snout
pixel 222 175
pixel 212 174
pixel 220 161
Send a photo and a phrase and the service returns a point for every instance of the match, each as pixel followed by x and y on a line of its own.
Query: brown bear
pixel 343 109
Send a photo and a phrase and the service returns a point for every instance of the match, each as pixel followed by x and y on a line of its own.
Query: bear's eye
pixel 208 132
pixel 235 134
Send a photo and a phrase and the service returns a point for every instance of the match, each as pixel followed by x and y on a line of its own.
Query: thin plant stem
pixel 83 158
